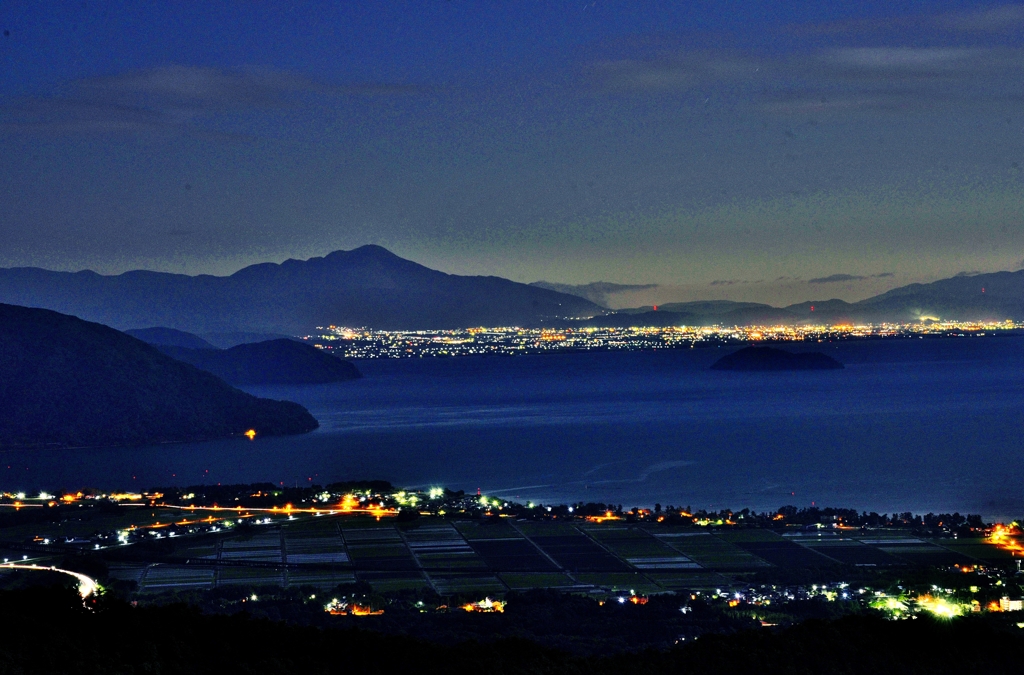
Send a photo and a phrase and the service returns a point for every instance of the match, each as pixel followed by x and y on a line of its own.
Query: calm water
pixel 922 425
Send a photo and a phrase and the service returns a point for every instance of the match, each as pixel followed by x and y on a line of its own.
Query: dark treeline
pixel 49 630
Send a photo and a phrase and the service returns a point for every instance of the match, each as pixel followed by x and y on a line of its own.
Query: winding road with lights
pixel 86 585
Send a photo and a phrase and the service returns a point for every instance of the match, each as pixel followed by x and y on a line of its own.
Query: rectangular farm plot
pixel 709 551
pixel 685 580
pixel 325 579
pixel 264 547
pixel 521 581
pixel 489 530
pixel 389 550
pixel 465 561
pixel 370 535
pixel 737 536
pixel 625 582
pixel 327 549
pixel 577 553
pixel 786 554
pixel 442 549
pixel 384 582
pixel 128 572
pixel 978 549
pixel 451 585
pixel 512 555
pixel 169 577
pixel 317 558
pixel 676 562
pixel 925 553
pixel 249 576
pixel 641 550
pixel 850 552
pixel 207 552
pixel 436 540
pixel 382 557
pixel 545 528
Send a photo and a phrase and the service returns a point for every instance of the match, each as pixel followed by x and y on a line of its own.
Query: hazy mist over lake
pixel 922 425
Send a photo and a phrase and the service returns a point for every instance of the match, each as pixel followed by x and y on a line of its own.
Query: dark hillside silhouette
pixel 68 382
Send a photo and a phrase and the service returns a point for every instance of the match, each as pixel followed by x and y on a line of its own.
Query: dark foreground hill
pixel 272 362
pixel 368 286
pixel 768 358
pixel 68 382
pixel 50 631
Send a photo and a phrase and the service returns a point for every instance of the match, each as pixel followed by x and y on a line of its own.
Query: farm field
pixel 465 557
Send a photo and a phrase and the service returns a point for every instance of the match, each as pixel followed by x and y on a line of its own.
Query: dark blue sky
pixel 720 149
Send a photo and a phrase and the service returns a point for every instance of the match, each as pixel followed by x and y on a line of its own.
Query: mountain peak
pixel 367 252
pixel 367 286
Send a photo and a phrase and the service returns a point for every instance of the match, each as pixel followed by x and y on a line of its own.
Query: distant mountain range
pixel 68 382
pixel 368 286
pixel 996 296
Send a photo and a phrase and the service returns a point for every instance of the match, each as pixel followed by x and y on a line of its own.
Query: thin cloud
pixel 994 20
pixel 824 75
pixel 879 79
pixel 1003 19
pixel 675 72
pixel 838 278
pixel 168 98
pixel 916 63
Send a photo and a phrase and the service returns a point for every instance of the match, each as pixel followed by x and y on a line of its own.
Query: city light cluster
pixel 366 343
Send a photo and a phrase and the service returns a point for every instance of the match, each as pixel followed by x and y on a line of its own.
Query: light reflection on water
pixel 930 425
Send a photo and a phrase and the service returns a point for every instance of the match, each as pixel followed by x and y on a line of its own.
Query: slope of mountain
pixel 982 297
pixel 235 338
pixel 272 362
pixel 597 291
pixel 368 286
pixel 996 296
pixel 69 382
pixel 168 337
pixel 710 313
pixel 713 307
pixel 650 318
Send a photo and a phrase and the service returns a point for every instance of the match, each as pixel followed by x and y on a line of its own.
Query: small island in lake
pixel 769 358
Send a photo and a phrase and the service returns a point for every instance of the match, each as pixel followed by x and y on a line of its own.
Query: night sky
pixel 743 150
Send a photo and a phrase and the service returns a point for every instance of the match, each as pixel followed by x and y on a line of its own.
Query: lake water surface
pixel 919 425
